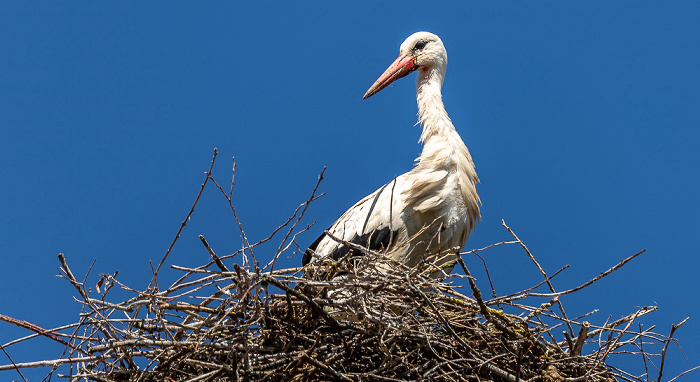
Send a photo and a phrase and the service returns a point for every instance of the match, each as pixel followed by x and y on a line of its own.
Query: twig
pixel 488 275
pixel 78 286
pixel 477 293
pixel 591 281
pixel 184 222
pixel 51 363
pixel 683 373
pixel 544 274
pixel 582 334
pixel 525 292
pixel 14 365
pixel 238 222
pixel 213 255
pixel 303 206
pixel 668 341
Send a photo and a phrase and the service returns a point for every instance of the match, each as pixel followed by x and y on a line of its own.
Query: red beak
pixel 401 67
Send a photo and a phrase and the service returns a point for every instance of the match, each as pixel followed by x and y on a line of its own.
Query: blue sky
pixel 582 118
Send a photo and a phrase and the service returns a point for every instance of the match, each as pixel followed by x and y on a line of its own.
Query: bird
pixel 426 215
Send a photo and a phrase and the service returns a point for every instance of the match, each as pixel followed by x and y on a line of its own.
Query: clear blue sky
pixel 582 118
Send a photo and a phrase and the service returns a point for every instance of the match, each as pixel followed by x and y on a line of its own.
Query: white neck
pixel 441 143
pixel 431 110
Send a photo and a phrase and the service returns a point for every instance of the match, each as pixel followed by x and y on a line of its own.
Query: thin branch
pixel 37 329
pixel 303 207
pixel 184 222
pixel 668 341
pixel 539 268
pixel 213 255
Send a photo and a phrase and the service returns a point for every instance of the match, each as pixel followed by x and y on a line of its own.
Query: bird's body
pixel 428 212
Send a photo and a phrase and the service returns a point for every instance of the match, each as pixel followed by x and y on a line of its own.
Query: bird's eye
pixel 420 45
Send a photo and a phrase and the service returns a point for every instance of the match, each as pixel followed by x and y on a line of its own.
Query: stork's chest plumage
pixel 441 206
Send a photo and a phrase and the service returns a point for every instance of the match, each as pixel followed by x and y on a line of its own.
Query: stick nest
pixel 250 322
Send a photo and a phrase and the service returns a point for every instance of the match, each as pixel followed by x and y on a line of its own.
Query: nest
pixel 360 323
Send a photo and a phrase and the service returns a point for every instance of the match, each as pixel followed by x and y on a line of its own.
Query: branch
pixel 184 222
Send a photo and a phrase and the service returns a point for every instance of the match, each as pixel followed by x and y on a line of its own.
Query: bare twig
pixel 539 268
pixel 36 329
pixel 303 207
pixel 668 341
pixel 238 221
pixel 582 335
pixel 213 255
pixel 184 222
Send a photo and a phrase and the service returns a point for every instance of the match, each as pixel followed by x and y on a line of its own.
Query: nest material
pixel 361 323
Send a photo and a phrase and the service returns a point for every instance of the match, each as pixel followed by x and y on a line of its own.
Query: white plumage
pixel 428 212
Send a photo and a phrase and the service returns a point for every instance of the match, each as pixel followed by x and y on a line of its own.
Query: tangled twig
pixel 265 324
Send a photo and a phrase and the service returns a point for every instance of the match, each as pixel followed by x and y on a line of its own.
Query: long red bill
pixel 401 67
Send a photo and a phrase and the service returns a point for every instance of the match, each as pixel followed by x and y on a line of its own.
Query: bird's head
pixel 421 50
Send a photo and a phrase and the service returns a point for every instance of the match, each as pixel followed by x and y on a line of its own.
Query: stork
pixel 427 213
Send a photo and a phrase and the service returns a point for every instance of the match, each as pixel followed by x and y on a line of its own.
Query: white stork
pixel 428 212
